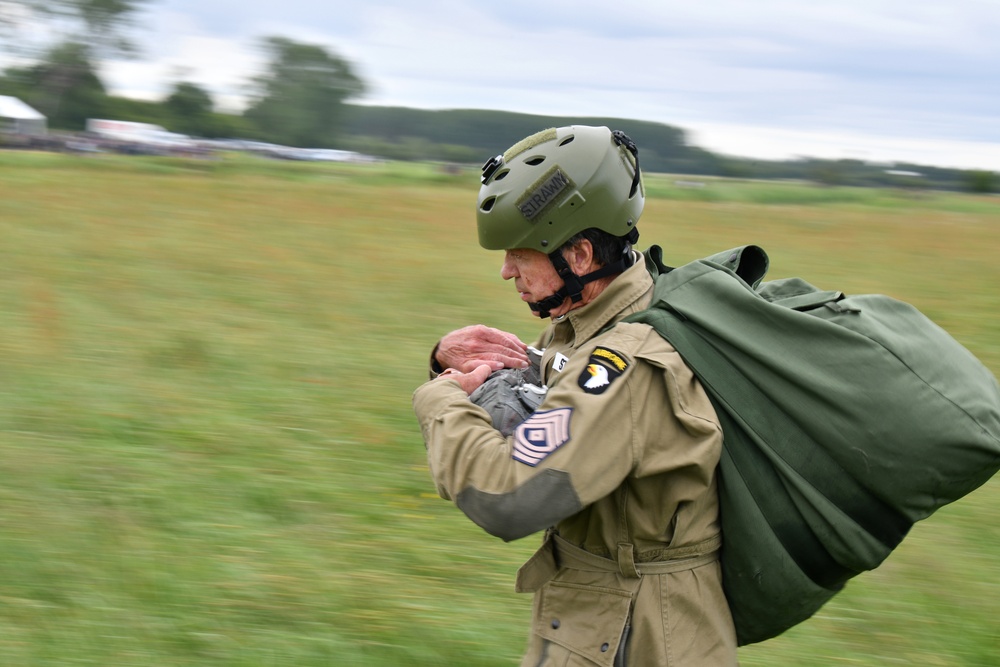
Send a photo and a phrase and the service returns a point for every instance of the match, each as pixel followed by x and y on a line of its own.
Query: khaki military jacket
pixel 619 462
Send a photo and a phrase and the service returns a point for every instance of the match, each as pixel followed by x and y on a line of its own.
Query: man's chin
pixel 537 312
pixel 533 305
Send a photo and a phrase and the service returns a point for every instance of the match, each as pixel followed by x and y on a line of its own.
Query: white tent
pixel 18 117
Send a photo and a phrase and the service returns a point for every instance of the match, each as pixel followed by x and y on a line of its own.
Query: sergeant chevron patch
pixel 540 435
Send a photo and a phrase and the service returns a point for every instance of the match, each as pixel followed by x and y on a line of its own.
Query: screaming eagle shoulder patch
pixel 603 367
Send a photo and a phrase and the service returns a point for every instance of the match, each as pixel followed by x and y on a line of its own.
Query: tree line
pixel 303 98
pixel 472 136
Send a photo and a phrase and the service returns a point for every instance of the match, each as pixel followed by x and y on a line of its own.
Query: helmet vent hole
pixel 535 161
pixel 567 140
pixel 487 204
pixel 502 175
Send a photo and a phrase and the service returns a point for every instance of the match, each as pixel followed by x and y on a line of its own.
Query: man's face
pixel 534 276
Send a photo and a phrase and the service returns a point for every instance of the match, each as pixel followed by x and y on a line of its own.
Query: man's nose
pixel 507 269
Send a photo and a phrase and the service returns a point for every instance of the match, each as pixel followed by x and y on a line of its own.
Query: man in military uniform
pixel 618 462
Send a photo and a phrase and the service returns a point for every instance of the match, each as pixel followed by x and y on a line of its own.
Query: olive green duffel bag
pixel 846 419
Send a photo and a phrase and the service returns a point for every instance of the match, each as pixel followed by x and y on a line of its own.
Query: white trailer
pixel 138 133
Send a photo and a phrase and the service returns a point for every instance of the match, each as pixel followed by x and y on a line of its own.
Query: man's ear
pixel 580 257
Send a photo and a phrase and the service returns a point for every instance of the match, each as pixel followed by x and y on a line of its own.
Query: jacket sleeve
pixel 585 438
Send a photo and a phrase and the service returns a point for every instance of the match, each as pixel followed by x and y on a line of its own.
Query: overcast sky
pixel 907 80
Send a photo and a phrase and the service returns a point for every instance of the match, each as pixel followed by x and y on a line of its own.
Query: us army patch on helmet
pixel 545 191
pixel 604 367
pixel 540 435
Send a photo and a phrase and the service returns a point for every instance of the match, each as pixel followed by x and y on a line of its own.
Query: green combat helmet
pixel 555 184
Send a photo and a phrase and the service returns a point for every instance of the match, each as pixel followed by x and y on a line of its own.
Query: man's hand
pixel 470 381
pixel 469 347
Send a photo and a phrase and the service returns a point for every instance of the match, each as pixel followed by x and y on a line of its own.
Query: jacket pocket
pixel 588 621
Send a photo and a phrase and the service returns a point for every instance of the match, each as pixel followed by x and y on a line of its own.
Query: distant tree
pixel 100 24
pixel 66 39
pixel 64 86
pixel 190 108
pixel 982 181
pixel 299 100
pixel 731 167
pixel 15 82
pixel 142 111
pixel 827 172
pixel 230 126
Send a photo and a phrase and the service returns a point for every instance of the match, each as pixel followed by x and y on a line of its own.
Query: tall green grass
pixel 208 451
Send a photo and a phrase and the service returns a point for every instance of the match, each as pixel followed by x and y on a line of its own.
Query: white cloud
pixel 778 144
pixel 218 65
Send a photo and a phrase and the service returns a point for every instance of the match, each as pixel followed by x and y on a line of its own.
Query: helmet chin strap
pixel 573 284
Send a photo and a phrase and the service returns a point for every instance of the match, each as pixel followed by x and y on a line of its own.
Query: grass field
pixel 207 448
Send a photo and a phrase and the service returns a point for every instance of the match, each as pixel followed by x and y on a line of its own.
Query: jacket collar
pixel 630 292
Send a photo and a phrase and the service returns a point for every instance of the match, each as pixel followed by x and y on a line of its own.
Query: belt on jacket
pixel 675 559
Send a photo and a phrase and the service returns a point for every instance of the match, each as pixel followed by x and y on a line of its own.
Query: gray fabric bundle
pixel 511 395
